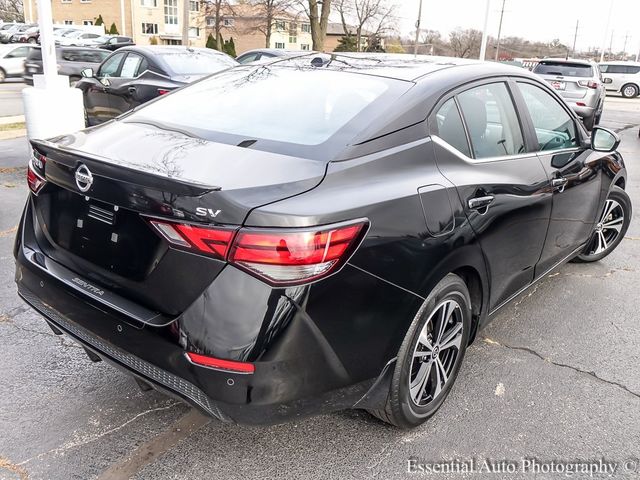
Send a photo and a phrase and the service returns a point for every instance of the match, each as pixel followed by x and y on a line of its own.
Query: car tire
pixel 630 90
pixel 32 41
pixel 610 228
pixel 3 75
pixel 416 378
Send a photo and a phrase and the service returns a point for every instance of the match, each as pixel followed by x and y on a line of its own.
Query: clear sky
pixel 533 19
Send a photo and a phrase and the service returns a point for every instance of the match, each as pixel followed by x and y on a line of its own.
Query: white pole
pixel 485 32
pixel 123 27
pixel 415 45
pixel 606 31
pixel 30 11
pixel 47 43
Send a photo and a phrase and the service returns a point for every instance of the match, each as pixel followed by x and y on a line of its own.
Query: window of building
pixel 150 28
pixel 280 45
pixel 304 46
pixel 305 28
pixel 149 3
pixel 492 121
pixel 194 32
pixel 68 22
pixel 228 22
pixel 280 25
pixel 87 22
pixel 65 1
pixel 85 1
pixel 171 12
pixel 293 39
pixel 194 5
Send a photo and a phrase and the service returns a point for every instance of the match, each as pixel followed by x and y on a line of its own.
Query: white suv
pixel 624 76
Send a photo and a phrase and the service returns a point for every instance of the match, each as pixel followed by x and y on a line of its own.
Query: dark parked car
pixel 30 35
pixel 71 61
pixel 134 75
pixel 113 42
pixel 279 240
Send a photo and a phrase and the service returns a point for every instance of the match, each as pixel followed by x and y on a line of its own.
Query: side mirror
pixel 604 140
pixel 608 81
pixel 87 73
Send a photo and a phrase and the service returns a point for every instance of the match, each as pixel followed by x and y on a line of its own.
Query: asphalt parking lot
pixel 554 377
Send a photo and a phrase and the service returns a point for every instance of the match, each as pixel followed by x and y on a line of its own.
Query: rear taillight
pixel 214 242
pixel 35 171
pixel 588 83
pixel 35 181
pixel 280 257
pixel 292 257
pixel 163 91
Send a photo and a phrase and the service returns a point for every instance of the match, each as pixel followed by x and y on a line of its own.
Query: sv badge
pixel 207 212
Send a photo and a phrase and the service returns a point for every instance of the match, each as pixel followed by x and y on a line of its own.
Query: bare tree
pixel 12 10
pixel 268 11
pixel 318 19
pixel 217 9
pixel 465 43
pixel 372 17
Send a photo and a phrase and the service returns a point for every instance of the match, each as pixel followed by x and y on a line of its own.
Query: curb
pixel 11 134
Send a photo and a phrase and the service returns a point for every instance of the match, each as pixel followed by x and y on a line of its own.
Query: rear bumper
pixel 583 112
pixel 298 376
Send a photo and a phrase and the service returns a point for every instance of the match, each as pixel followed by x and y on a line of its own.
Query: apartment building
pixel 146 21
pixel 247 24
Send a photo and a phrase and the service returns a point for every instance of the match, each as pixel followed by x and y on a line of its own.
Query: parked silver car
pixel 580 83
pixel 12 60
pixel 624 76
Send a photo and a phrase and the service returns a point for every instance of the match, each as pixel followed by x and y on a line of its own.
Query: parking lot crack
pixel 563 365
pixel 93 438
pixel 12 467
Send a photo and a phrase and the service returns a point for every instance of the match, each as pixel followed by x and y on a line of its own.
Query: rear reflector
pixel 220 364
pixel 34 180
pixel 163 91
pixel 279 257
pixel 291 257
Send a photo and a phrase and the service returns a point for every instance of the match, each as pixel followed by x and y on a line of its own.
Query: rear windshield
pixel 564 69
pixel 274 104
pixel 196 62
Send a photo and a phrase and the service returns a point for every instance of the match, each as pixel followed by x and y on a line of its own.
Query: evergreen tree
pixel 113 30
pixel 99 21
pixel 230 47
pixel 211 42
pixel 348 43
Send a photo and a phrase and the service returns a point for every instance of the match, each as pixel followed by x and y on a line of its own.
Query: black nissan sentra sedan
pixel 285 239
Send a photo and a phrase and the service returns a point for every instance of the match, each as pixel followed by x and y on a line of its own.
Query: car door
pixel 125 92
pixel 13 62
pixel 96 90
pixel 480 147
pixel 573 169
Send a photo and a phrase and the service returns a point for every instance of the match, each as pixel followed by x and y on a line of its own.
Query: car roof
pixel 164 49
pixel 278 52
pixel 621 62
pixel 401 66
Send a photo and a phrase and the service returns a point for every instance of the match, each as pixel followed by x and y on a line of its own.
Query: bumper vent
pixel 164 378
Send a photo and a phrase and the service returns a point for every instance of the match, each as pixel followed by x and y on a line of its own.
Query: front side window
pixel 131 66
pixel 449 127
pixel 492 122
pixel 555 128
pixel 110 67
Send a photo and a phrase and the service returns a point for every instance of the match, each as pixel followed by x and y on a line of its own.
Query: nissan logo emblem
pixel 84 179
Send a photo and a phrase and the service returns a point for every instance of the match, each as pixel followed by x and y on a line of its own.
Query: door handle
pixel 559 184
pixel 478 203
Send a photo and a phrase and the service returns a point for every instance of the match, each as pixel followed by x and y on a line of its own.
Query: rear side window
pixel 491 121
pixel 564 69
pixel 194 63
pixel 554 127
pixel 450 127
